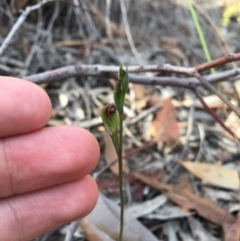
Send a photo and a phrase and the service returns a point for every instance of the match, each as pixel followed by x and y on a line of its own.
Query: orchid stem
pixel 112 117
pixel 120 166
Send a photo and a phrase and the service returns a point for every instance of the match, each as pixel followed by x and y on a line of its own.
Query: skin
pixel 44 181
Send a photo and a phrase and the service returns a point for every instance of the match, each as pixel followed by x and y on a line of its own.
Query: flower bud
pixel 110 118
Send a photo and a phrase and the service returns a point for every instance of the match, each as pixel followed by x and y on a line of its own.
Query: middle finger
pixel 45 158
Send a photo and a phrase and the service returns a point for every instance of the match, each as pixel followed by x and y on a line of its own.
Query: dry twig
pixel 217 62
pixel 110 71
pixel 217 93
pixel 19 22
pixel 213 114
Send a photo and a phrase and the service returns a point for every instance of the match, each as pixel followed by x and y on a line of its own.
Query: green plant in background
pixel 200 33
pixel 112 117
pixel 231 11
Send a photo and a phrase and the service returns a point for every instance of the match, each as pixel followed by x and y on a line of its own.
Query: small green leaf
pixel 117 95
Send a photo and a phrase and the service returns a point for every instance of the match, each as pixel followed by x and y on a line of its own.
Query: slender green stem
pixel 120 166
pixel 200 33
pixel 112 117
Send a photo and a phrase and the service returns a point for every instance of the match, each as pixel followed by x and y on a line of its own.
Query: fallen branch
pixel 192 82
pixel 111 71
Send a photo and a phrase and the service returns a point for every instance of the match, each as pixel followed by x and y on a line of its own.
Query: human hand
pixel 44 181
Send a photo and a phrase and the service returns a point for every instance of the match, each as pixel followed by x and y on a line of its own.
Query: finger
pixel 45 158
pixel 24 107
pixel 27 216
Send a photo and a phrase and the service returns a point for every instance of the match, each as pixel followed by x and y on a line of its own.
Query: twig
pixel 190 124
pixel 36 43
pixel 101 20
pixel 52 20
pixel 217 93
pixel 213 114
pixel 128 32
pixel 110 71
pixel 71 230
pixel 98 70
pixel 19 22
pixel 202 138
pixel 78 14
pixel 107 19
pixel 217 62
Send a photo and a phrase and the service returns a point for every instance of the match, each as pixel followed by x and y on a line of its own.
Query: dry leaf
pixel 237 86
pixel 212 101
pixel 171 41
pixel 188 201
pixel 152 182
pixel 185 182
pixel 204 207
pixel 110 154
pixel 141 96
pixel 72 43
pixel 198 230
pixel 25 47
pixel 175 51
pixel 213 174
pixel 112 82
pixel 155 100
pixel 233 123
pixel 102 224
pixel 141 209
pixel 232 229
pixel 168 213
pixel 140 91
pixel 164 127
pixel 215 195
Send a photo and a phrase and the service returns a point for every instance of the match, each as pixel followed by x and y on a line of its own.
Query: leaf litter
pixel 162 34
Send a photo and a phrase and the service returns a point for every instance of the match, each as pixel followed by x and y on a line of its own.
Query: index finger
pixel 24 106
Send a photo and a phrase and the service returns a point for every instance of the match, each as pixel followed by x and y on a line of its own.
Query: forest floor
pixel 181 158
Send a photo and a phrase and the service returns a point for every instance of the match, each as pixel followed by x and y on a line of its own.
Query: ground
pixel 168 135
